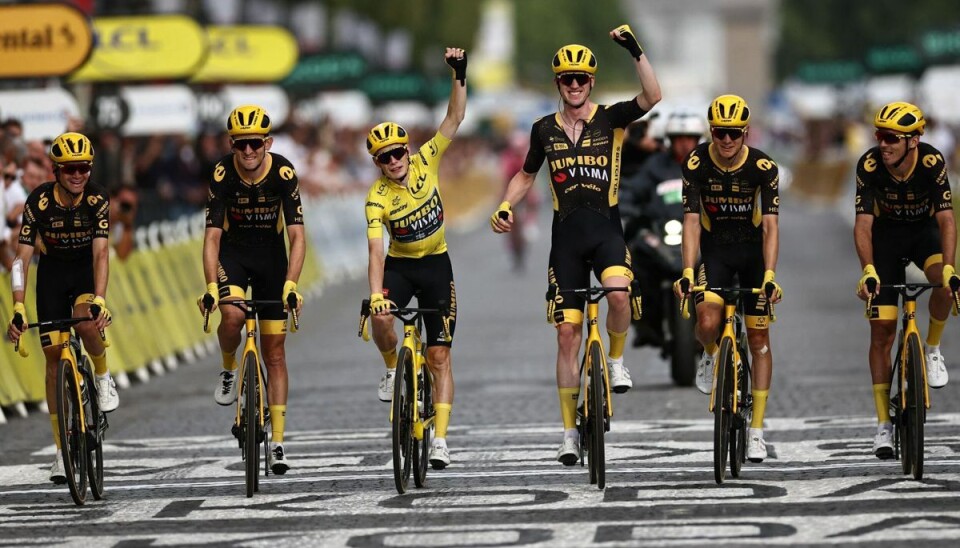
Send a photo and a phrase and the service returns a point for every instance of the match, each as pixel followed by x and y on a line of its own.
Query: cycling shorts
pixel 584 241
pixel 61 285
pixel 264 270
pixel 895 245
pixel 731 265
pixel 430 280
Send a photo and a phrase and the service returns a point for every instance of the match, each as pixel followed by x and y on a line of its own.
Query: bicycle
pixel 910 404
pixel 594 414
pixel 730 399
pixel 252 413
pixel 80 422
pixel 411 409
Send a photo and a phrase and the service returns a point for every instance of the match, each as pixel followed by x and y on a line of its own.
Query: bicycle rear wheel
pixel 421 448
pixel 598 414
pixel 722 399
pixel 95 421
pixel 73 442
pixel 251 419
pixel 402 427
pixel 916 409
pixel 738 440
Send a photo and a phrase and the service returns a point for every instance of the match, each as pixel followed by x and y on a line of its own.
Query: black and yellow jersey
pixel 412 213
pixel 65 232
pixel 253 213
pixel 585 174
pixel 924 191
pixel 731 202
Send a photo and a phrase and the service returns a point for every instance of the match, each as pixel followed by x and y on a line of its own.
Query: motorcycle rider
pixel 649 199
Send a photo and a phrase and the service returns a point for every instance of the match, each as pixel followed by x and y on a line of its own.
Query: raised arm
pixel 457 106
pixel 650 93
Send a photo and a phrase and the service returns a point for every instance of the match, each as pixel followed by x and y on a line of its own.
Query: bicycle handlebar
pixel 593 294
pixel 55 324
pixel 685 310
pixel 251 305
pixel 407 314
pixel 909 290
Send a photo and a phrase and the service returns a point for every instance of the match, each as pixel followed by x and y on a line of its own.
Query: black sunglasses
pixel 72 169
pixel 733 133
pixel 889 138
pixel 241 145
pixel 568 78
pixel 388 156
pixel 9 176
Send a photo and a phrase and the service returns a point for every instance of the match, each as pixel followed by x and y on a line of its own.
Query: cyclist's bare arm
pixel 517 188
pixel 771 241
pixel 375 266
pixel 211 253
pixel 298 251
pixel 101 266
pixel 690 243
pixel 649 86
pixel 456 107
pixel 948 235
pixel 863 238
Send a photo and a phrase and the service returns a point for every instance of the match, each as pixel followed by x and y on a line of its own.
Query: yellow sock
pixel 442 418
pixel 881 398
pixel 56 429
pixel 229 360
pixel 935 331
pixel 568 406
pixel 278 420
pixel 711 349
pixel 99 363
pixel 390 358
pixel 759 407
pixel 617 340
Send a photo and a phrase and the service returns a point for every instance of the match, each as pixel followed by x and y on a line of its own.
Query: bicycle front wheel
pixel 916 408
pixel 251 416
pixel 722 399
pixel 421 448
pixel 73 442
pixel 95 423
pixel 598 414
pixel 402 427
pixel 738 439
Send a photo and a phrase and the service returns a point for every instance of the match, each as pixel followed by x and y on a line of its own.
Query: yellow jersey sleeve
pixel 428 157
pixel 376 210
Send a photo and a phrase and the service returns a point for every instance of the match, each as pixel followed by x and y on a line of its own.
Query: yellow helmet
pixel 71 147
pixel 728 111
pixel 574 58
pixel 248 120
pixel 384 135
pixel 900 116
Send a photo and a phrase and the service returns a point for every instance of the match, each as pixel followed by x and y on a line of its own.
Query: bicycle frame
pixel 909 326
pixel 413 342
pixel 593 335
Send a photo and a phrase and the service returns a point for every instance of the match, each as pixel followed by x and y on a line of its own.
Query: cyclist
pixel 253 194
pixel 731 204
pixel 904 213
pixel 66 222
pixel 652 196
pixel 406 200
pixel 582 144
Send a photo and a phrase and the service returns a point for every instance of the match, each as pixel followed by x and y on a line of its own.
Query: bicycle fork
pixel 593 334
pixel 250 347
pixel 910 326
pixel 729 315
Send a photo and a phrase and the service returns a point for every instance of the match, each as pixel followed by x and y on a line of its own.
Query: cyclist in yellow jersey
pixel 731 206
pixel 582 145
pixel 66 222
pixel 406 201
pixel 904 212
pixel 254 194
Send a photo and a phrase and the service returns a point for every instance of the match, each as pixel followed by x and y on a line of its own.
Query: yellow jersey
pixel 412 213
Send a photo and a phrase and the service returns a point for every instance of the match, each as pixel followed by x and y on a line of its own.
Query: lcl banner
pixel 248 54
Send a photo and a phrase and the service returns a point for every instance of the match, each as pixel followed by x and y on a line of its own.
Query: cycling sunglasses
pixel 889 138
pixel 390 155
pixel 719 133
pixel 71 169
pixel 241 145
pixel 568 78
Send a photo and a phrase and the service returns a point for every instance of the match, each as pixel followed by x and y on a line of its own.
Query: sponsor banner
pixel 43 112
pixel 156 110
pixel 42 40
pixel 248 54
pixel 162 47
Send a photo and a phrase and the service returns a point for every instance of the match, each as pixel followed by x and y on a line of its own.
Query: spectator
pixel 123 211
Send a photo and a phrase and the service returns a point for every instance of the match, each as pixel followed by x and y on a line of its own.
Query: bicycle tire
pixel 94 432
pixel 251 418
pixel 722 398
pixel 401 428
pixel 73 443
pixel 915 403
pixel 738 441
pixel 598 415
pixel 421 453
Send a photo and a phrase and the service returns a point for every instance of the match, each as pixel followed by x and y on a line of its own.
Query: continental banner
pixel 248 54
pixel 161 47
pixel 42 40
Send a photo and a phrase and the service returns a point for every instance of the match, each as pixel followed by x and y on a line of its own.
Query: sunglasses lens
pixel 395 154
pixel 888 138
pixel 723 132
pixel 242 144
pixel 569 79
pixel 71 170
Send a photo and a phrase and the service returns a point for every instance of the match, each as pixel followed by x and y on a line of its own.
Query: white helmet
pixel 684 123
